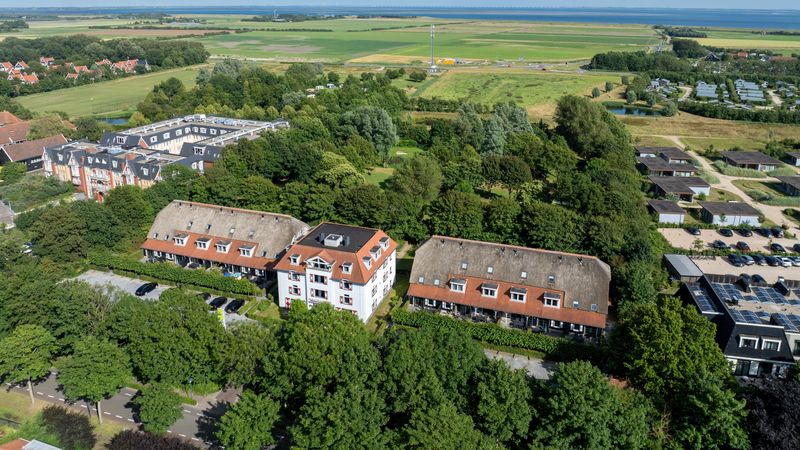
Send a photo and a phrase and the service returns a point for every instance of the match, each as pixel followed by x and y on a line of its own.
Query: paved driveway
pixel 129 285
pixel 535 368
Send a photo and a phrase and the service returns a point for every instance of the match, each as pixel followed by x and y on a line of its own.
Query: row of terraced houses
pixel 21 71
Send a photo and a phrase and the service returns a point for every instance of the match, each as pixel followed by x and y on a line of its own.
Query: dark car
pixel 694 231
pixel 796 247
pixel 760 260
pixel 719 245
pixel 746 232
pixel 777 248
pixel 777 232
pixel 742 246
pixel 234 305
pixel 764 232
pixel 217 302
pixel 773 261
pixel 736 260
pixel 146 289
pixel 745 278
pixel 205 296
pixel 758 279
pixel 727 232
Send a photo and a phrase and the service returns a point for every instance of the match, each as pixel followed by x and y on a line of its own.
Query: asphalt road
pixel 197 425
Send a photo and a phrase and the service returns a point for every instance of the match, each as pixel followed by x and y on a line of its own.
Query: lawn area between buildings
pixel 106 98
pixel 766 192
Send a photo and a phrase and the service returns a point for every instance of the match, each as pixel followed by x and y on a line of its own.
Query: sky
pixel 722 4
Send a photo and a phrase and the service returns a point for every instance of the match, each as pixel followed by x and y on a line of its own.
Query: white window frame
pixel 119 139
pixel 347 268
pixel 552 302
pixel 488 292
pixel 294 260
pixel 180 241
pixel 223 248
pixel 518 297
pixel 457 287
pixel 742 340
pixel 202 245
pixel 246 252
pixel 165 136
pixel 489 269
pixel 576 328
pixel 315 279
pixel 557 324
pixel 153 139
pixel 430 303
pixel 765 341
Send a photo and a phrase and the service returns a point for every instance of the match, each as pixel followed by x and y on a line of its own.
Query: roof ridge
pixel 496 244
pixel 251 211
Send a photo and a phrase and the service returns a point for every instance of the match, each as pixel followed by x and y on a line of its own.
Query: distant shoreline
pixel 698 17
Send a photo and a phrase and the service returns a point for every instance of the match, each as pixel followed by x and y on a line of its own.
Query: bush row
pixel 552 347
pixel 169 272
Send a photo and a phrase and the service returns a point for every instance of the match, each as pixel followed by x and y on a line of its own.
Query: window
pixel 748 342
pixel 153 139
pixel 202 245
pixel 421 280
pixel 771 345
pixel 488 291
pixel 446 305
pixel 490 269
pixel 552 300
pixel 346 285
pixel 319 293
pixel 523 275
pixel 347 268
pixel 223 248
pixel 456 287
pixel 119 139
pixel 319 279
pixel 246 251
pixel 320 264
pixel 144 171
pixel 294 290
pixel 556 324
pixel 213 131
pixel 198 150
pixel 517 296
pixel 551 278
pixel 194 129
pixel 430 303
pixel 575 328
pixel 180 241
pixel 178 132
pixel 294 276
pixel 165 135
pixel 203 130
pixel 374 290
pixel 346 299
pixel 463 266
pixel 576 304
pixel 114 163
pixel 436 282
pixel 593 307
pixel 294 259
pixel 796 351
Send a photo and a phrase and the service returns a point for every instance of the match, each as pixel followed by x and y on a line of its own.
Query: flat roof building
pixel 660 167
pixel 729 213
pixel 751 160
pixel 790 185
pixel 683 187
pixel 667 211
pixel 682 268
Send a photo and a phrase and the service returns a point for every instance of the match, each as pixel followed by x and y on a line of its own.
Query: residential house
pixel 793 158
pixel 130 65
pixel 729 213
pixel 751 160
pixel 24 444
pixel 757 326
pixel 518 286
pixel 23 77
pixel 46 61
pixel 685 188
pixel 21 66
pixel 662 168
pixel 238 241
pixel 103 62
pixel 667 211
pixel 12 128
pixel 790 185
pixel 6 67
pixel 349 267
pixel 682 268
pixel 29 152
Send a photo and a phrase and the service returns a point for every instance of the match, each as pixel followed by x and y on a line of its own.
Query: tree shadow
pixel 207 423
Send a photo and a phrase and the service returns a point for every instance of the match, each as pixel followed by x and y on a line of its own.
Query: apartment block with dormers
pixel 349 267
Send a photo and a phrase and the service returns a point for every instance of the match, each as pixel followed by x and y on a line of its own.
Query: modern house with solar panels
pixel 758 325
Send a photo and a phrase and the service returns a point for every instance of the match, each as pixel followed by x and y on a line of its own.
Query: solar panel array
pixel 791 322
pixel 727 292
pixel 703 301
pixel 770 295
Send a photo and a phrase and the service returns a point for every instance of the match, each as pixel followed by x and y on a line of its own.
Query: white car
pixel 785 262
pixel 795 260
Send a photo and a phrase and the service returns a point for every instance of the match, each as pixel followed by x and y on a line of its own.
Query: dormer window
pixel 523 275
pixel 552 300
pixel 490 269
pixel 347 268
pixel 294 259
pixel 246 250
pixel 435 281
pixel 202 243
pixel 489 290
pixel 180 239
pixel 318 263
pixel 198 150
pixel 166 135
pixel 518 294
pixel 458 284
pixel 153 139
pixel 367 261
pixel 576 304
pixel 384 242
pixel 119 139
pixel 145 171
pixel 375 252
pixel 223 246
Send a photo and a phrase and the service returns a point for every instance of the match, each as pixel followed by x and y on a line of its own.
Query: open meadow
pixel 747 39
pixel 105 98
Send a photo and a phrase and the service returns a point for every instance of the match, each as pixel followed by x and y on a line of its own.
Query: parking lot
pixel 129 285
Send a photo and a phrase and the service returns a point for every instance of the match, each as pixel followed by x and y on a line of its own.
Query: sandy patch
pixel 389 59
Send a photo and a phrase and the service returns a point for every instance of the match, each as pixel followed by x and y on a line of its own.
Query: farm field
pixel 106 97
pixel 745 39
pixel 533 89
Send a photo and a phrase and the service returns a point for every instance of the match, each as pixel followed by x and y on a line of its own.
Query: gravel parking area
pixel 129 285
pixel 680 238
pixel 721 266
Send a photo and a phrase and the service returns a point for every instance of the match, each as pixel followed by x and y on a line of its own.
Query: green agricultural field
pixel 105 98
pixel 745 39
pixel 523 88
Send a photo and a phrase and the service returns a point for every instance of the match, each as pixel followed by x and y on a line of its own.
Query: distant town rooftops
pixel 729 208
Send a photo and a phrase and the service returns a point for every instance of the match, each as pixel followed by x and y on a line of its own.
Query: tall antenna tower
pixel 433 61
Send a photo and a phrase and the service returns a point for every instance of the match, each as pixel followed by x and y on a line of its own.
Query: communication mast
pixel 433 61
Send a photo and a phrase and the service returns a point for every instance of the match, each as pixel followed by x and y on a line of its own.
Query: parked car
pixel 796 247
pixel 719 245
pixel 773 261
pixel 736 260
pixel 785 262
pixel 777 248
pixel 745 278
pixel 746 232
pixel 193 265
pixel 694 231
pixel 727 232
pixel 764 232
pixel 205 296
pixel 795 260
pixel 146 289
pixel 217 302
pixel 777 232
pixel 760 260
pixel 742 246
pixel 758 279
pixel 748 260
pixel 234 305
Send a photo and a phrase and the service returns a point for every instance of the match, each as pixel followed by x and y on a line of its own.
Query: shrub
pixel 72 429
pixel 727 169
pixel 137 440
pixel 172 273
pixel 552 347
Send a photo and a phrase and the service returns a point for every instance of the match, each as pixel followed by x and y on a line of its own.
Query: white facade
pixel 736 220
pixel 670 218
pixel 316 286
pixel 706 190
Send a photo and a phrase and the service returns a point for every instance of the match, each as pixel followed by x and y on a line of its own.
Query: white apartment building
pixel 352 268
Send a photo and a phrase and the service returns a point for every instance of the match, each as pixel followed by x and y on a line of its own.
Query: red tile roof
pixel 31 149
pixel 14 132
pixel 7 118
pixel 190 250
pixel 16 444
pixel 533 305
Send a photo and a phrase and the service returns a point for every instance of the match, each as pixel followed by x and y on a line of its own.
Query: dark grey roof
pixel 729 208
pixel 791 181
pixel 729 332
pixel 741 157
pixel 354 238
pixel 683 265
pixel 678 185
pixel 583 278
pixel 660 164
pixel 669 152
pixel 665 207
pixel 795 155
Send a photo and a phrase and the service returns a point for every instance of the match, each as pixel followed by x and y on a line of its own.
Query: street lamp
pixel 190 387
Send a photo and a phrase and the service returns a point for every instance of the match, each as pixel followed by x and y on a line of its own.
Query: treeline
pixel 683 32
pixel 290 18
pixel 639 61
pixel 717 111
pixel 13 25
pixel 688 48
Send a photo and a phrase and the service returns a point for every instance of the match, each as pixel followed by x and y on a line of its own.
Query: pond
pixel 631 111
pixel 114 121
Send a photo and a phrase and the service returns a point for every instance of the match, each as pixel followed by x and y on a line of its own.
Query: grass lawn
pixel 32 191
pixel 767 192
pixel 106 97
pixel 745 39
pixel 720 195
pixel 526 88
pixel 378 175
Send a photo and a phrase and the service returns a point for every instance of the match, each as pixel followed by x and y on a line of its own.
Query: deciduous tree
pixel 26 355
pixel 159 407
pixel 248 423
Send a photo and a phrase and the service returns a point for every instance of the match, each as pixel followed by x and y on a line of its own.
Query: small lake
pixel 117 121
pixel 631 111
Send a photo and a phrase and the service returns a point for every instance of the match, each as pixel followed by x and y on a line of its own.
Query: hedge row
pixel 171 273
pixel 552 347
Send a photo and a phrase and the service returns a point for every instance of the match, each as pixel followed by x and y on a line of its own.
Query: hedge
pixel 552 347
pixel 172 273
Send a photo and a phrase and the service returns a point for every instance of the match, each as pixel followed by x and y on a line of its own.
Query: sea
pixel 724 18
